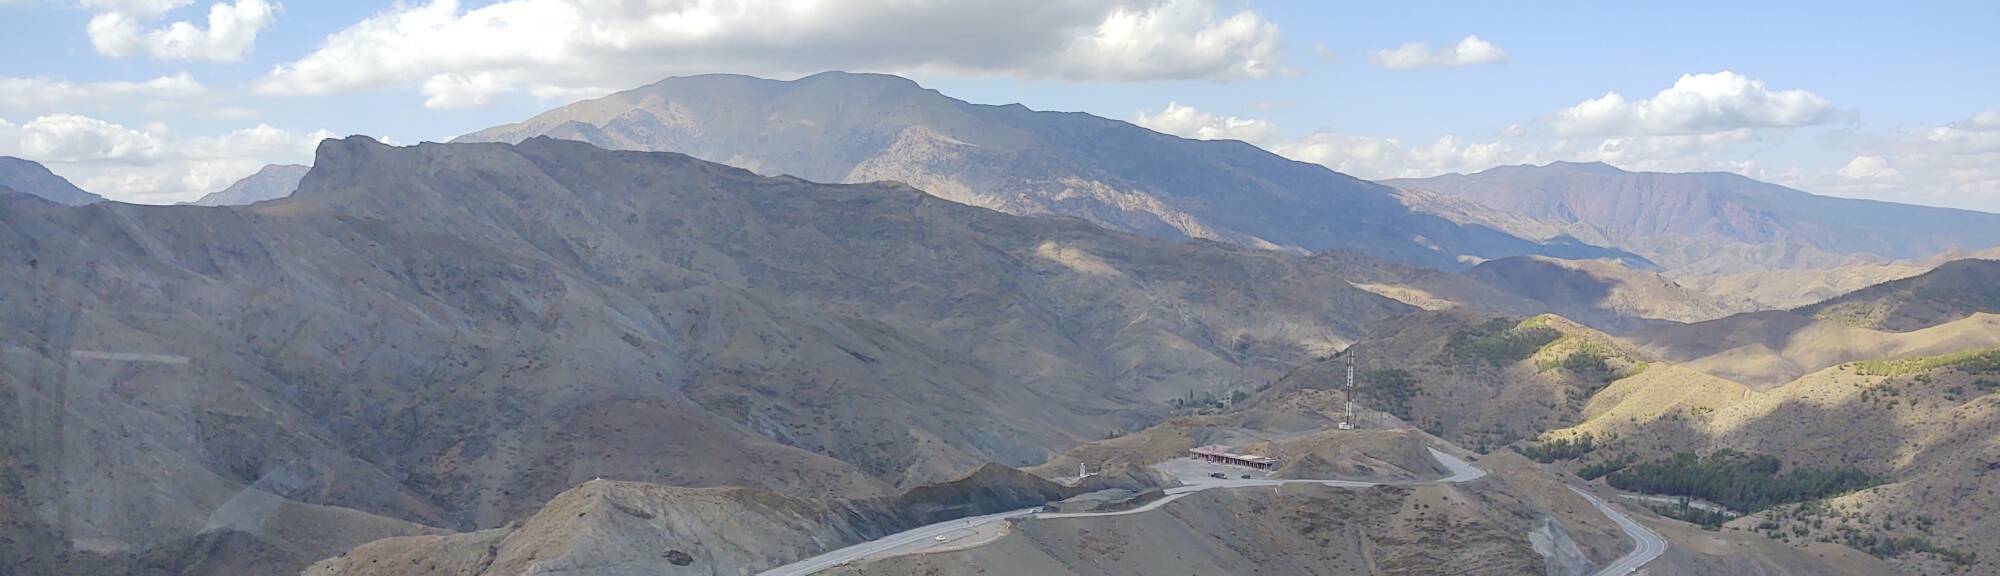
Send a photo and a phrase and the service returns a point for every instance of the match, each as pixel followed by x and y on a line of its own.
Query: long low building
pixel 1221 455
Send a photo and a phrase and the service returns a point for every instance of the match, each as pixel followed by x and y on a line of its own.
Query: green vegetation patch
pixel 1893 547
pixel 1594 361
pixel 1856 314
pixel 1551 450
pixel 1390 389
pixel 1683 510
pixel 1601 468
pixel 1740 481
pixel 1500 342
pixel 1978 361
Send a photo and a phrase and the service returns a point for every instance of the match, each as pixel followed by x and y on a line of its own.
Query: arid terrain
pixel 728 325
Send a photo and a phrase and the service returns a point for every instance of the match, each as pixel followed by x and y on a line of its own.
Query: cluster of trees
pixel 1740 481
pixel 1208 403
pixel 1388 389
pixel 1975 361
pixel 1601 468
pixel 1499 342
pixel 1683 510
pixel 1894 546
pixel 1592 361
pixel 1568 448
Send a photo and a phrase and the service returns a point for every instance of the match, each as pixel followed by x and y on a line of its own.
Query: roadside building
pixel 1221 455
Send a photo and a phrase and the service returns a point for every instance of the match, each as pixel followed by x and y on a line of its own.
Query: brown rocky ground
pixel 630 528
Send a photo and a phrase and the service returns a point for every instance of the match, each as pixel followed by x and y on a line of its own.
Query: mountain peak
pixel 1585 167
pixel 32 178
pixel 859 77
pixel 271 181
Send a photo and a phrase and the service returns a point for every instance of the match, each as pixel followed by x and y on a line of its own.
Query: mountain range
pixel 1702 223
pixel 841 127
pixel 719 323
pixel 446 336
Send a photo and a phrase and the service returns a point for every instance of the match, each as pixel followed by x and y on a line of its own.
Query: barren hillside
pixel 448 336
pixel 841 127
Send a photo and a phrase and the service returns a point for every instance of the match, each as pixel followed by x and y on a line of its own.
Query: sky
pixel 162 101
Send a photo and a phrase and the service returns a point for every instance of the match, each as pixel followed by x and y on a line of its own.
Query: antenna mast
pixel 1347 413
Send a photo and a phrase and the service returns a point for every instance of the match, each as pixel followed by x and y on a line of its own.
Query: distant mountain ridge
pixel 1949 292
pixel 272 181
pixel 32 178
pixel 1712 222
pixel 841 127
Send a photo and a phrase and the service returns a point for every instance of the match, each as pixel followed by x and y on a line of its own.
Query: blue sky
pixel 162 100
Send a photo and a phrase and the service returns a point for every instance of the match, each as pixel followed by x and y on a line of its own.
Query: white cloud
pixel 1955 164
pixel 41 94
pixel 1188 122
pixel 462 90
pixel 1869 167
pixel 1377 158
pixel 1695 104
pixel 117 29
pixel 72 138
pixel 150 164
pixel 464 56
pixel 1472 50
pixel 1988 120
pixel 1361 156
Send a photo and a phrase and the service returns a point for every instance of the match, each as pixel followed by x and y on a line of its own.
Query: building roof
pixel 1223 452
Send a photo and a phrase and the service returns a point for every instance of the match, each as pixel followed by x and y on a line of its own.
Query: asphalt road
pixel 858 551
pixel 1651 544
pixel 1195 478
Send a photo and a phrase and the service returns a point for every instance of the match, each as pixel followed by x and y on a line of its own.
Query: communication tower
pixel 1347 412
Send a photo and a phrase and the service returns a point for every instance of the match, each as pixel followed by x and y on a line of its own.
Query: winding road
pixel 1650 544
pixel 1461 471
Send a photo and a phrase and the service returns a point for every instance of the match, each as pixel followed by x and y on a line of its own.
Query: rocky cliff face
pixel 839 127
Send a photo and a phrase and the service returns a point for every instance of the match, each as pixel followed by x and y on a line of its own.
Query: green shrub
pixel 1893 547
pixel 1739 481
pixel 1559 449
pixel 1600 468
pixel 1683 510
pixel 1390 389
pixel 1499 342
pixel 1979 361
